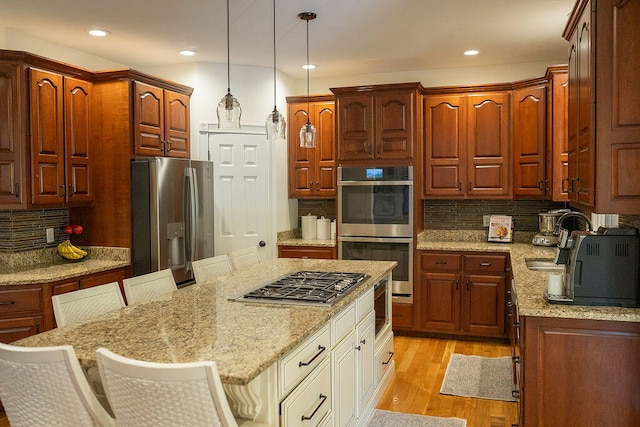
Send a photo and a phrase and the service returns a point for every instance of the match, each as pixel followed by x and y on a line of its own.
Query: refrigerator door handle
pixel 195 214
pixel 190 206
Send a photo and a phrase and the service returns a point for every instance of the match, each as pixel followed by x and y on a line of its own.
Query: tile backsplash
pixel 26 230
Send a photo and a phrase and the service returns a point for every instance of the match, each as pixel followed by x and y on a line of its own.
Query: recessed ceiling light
pixel 99 33
pixel 188 52
pixel 471 52
pixel 309 66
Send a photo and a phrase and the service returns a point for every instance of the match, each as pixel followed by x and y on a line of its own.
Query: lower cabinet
pixel 26 310
pixel 462 293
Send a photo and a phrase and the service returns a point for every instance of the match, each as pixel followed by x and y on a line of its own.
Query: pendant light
pixel 275 124
pixel 308 133
pixel 229 110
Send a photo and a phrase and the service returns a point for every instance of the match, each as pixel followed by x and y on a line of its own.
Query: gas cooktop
pixel 317 288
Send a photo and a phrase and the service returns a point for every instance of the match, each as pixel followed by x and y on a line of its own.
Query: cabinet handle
pixel 64 190
pixel 389 359
pixel 485 264
pixel 7 302
pixel 379 149
pixel 311 185
pixel 459 185
pixel 363 341
pixel 17 189
pixel 564 189
pixel 323 399
pixel 515 359
pixel 358 348
pixel 72 190
pixel 541 184
pixel 515 394
pixel 470 185
pixel 457 284
pixel 321 349
pixel 441 262
pixel 317 186
pixel 366 147
pixel 467 285
pixel 37 328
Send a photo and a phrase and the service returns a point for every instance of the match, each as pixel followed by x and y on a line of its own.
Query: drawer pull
pixel 485 264
pixel 441 262
pixel 7 302
pixel 515 359
pixel 321 349
pixel 389 359
pixel 323 399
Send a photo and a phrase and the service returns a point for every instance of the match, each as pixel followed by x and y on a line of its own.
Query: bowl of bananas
pixel 70 252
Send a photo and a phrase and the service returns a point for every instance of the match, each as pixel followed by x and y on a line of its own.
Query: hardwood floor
pixel 420 367
pixel 415 388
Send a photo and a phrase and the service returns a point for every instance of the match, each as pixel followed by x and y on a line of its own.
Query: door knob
pixel 262 243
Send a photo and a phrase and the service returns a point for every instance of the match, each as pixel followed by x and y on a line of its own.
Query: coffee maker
pixel 602 268
pixel 546 224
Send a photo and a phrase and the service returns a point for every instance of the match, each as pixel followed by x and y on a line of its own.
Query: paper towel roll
pixel 333 230
pixel 554 286
pixel 324 229
pixel 309 227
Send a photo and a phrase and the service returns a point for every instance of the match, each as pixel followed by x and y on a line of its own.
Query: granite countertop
pixel 307 242
pixel 529 285
pixel 45 266
pixel 199 322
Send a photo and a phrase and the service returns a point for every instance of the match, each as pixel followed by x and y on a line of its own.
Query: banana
pixel 68 251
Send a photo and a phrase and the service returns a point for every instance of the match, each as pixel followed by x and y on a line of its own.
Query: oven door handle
pixel 373 183
pixel 376 239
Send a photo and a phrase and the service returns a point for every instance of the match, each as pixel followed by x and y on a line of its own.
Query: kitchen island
pixel 201 322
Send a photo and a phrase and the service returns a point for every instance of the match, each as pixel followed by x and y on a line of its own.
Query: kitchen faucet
pixel 558 226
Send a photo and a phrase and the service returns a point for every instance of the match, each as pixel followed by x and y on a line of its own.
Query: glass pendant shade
pixel 276 126
pixel 308 135
pixel 229 112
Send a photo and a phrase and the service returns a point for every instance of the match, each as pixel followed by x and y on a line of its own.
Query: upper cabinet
pixel 45 133
pixel 377 123
pixel 312 171
pixel 161 122
pixel 556 154
pixel 466 146
pixel 604 118
pixel 529 126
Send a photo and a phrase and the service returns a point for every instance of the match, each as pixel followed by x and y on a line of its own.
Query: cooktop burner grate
pixel 306 288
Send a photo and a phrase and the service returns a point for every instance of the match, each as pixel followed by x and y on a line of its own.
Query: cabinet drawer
pixel 365 303
pixel 343 323
pixel 384 357
pixel 15 329
pixel 402 316
pixel 306 252
pixel 310 402
pixel 301 360
pixel 480 263
pixel 20 300
pixel 441 262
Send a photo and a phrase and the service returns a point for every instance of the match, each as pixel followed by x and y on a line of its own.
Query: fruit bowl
pixel 70 252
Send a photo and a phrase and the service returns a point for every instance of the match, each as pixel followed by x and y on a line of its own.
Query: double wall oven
pixel 375 220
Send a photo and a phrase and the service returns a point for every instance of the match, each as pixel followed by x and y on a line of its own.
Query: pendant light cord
pixel 274 55
pixel 308 100
pixel 228 53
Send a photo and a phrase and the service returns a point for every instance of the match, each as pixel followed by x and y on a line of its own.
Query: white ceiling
pixel 349 37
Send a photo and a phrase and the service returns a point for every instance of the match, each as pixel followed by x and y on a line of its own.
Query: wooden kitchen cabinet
pixel 313 252
pixel 45 158
pixel 603 118
pixel 312 171
pixel 377 123
pixel 529 123
pixel 461 293
pixel 161 122
pixel 579 372
pixel 557 169
pixel 466 146
pixel 61 135
pixel 116 143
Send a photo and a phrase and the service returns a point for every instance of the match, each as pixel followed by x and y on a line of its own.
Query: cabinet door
pixel 78 137
pixel 529 143
pixel 302 161
pixel 343 362
pixel 355 127
pixel 483 307
pixel 326 175
pixel 557 162
pixel 572 121
pixel 488 170
pixel 148 116
pixel 177 114
pixel 394 122
pixel 103 278
pixel 440 301
pixel 12 191
pixel 444 163
pixel 15 329
pixel 366 372
pixel 47 138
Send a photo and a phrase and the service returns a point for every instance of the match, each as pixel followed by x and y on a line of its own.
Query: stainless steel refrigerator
pixel 172 215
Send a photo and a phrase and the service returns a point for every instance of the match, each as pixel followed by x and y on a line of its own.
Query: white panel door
pixel 243 210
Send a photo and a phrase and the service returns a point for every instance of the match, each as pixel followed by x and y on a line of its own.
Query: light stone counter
pixel 308 242
pixel 46 265
pixel 199 322
pixel 529 284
